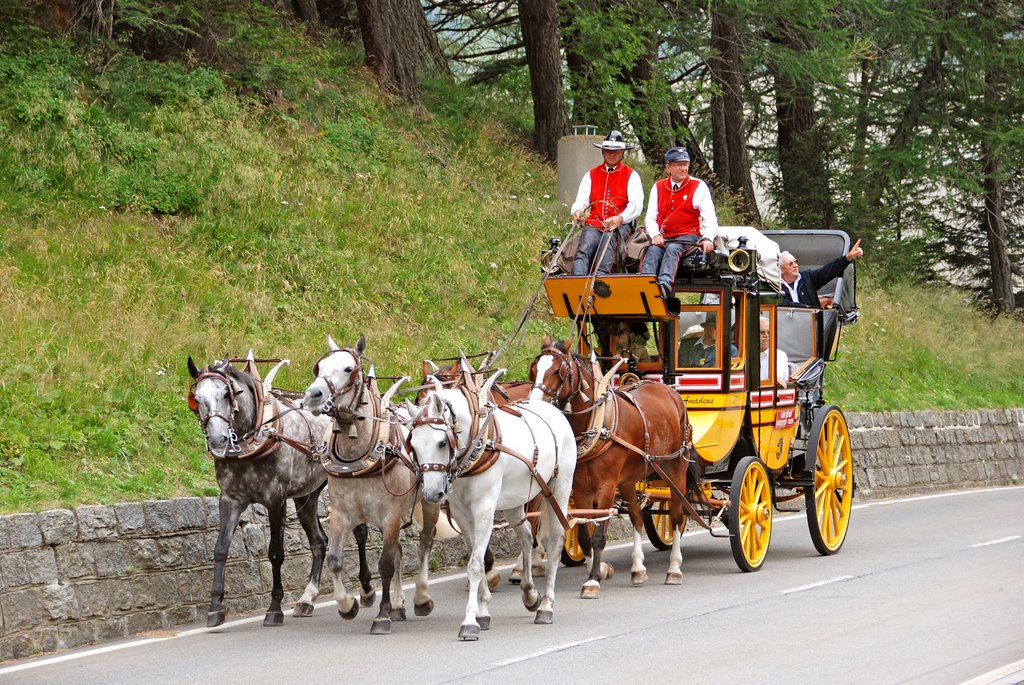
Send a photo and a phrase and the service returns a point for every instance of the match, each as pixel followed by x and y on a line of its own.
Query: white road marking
pixel 993 677
pixel 997 542
pixel 547 650
pixel 811 586
pixel 47 661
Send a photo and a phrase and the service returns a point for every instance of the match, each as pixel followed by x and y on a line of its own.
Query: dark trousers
pixel 663 260
pixel 591 243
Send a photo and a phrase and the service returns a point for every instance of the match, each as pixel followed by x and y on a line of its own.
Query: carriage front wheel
pixel 830 500
pixel 658 524
pixel 750 514
pixel 573 552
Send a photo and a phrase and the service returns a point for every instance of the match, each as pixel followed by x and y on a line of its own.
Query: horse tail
pixel 694 466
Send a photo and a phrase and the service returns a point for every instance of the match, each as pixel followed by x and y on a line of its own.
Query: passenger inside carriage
pixel 781 358
pixel 700 350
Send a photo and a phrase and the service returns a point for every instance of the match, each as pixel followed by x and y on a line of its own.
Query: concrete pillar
pixel 576 156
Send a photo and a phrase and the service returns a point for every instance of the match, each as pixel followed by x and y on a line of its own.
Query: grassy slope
pixel 149 213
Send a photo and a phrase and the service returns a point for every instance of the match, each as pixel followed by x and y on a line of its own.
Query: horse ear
pixel 331 345
pixel 438 403
pixel 429 368
pixel 361 344
pixel 193 370
pixel 548 341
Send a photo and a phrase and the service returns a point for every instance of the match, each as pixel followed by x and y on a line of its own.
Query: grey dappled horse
pixel 225 402
pixel 370 479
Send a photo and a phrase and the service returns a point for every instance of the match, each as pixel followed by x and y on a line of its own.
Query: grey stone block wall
pixel 68 578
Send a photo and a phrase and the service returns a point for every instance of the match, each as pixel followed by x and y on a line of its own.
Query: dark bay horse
pixel 624 439
pixel 255 466
pixel 370 479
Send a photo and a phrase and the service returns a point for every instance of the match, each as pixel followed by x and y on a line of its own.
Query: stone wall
pixel 68 578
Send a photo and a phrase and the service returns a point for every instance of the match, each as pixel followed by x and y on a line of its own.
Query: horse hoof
pixel 302 610
pixel 469 632
pixel 539 570
pixel 544 618
pixel 591 590
pixel 380 626
pixel 273 619
pixel 351 613
pixel 484 621
pixel 397 614
pixel 516 576
pixel 638 578
pixel 493 578
pixel 531 604
pixel 607 570
pixel 215 618
pixel 368 599
pixel 674 578
pixel 424 609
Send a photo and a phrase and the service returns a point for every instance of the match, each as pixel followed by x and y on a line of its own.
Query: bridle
pixel 570 376
pixel 454 465
pixel 355 380
pixel 193 404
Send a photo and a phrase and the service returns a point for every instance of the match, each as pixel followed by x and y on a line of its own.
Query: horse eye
pixel 442 443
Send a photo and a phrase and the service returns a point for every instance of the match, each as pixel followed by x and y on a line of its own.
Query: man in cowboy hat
pixel 613 193
pixel 676 209
pixel 701 353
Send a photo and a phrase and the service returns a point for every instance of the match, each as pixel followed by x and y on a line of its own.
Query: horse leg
pixel 230 512
pixel 422 602
pixel 307 514
pixel 276 511
pixel 493 577
pixel 531 599
pixel 386 567
pixel 367 595
pixel 397 591
pixel 552 533
pixel 592 587
pixel 638 572
pixel 476 527
pixel 674 576
pixel 338 527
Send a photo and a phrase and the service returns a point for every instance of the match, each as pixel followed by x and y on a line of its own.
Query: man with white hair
pixel 615 196
pixel 801 287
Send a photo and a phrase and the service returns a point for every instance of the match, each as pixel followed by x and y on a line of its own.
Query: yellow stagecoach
pixel 761 426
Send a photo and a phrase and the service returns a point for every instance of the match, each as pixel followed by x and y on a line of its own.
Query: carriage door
pixel 773 405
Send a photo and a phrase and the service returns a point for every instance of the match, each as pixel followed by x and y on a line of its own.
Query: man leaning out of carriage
pixel 676 209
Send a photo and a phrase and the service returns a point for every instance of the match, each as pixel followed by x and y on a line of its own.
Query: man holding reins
pixel 676 209
pixel 615 196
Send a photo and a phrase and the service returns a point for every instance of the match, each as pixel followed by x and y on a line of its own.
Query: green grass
pixel 154 210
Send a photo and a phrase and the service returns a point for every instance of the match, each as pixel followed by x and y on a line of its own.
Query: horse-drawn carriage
pixel 761 429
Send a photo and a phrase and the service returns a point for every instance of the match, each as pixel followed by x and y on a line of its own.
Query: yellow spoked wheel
pixel 658 524
pixel 750 514
pixel 830 500
pixel 573 553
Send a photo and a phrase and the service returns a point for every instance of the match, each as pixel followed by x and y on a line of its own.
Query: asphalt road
pixel 926 590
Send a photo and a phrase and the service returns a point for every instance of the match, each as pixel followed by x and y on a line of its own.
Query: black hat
pixel 676 154
pixel 613 141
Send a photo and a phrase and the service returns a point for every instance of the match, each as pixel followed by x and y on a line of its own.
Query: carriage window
pixel 700 337
pixel 797 329
pixel 738 337
pixel 640 339
pixel 774 362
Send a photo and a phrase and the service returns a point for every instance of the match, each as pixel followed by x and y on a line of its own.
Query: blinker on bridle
pixel 193 404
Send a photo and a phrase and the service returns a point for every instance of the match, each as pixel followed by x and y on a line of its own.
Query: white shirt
pixel 701 200
pixel 781 367
pixel 793 294
pixel 634 196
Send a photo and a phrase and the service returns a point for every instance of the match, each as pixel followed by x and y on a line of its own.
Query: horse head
pixel 224 400
pixel 435 439
pixel 556 375
pixel 338 372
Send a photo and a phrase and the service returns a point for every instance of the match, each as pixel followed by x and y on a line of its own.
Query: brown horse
pixel 633 434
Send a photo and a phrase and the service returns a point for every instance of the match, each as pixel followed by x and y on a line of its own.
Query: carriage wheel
pixel 658 524
pixel 830 500
pixel 750 514
pixel 572 551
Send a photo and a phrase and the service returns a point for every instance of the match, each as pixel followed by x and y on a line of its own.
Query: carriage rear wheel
pixel 829 502
pixel 573 552
pixel 658 524
pixel 750 514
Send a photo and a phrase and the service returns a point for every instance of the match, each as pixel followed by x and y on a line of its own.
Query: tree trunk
pixel 729 118
pixel 307 11
pixel 538 20
pixel 584 87
pixel 806 199
pixel 399 45
pixel 993 221
pixel 651 119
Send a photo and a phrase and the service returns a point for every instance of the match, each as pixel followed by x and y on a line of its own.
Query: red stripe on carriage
pixel 784 418
pixel 695 381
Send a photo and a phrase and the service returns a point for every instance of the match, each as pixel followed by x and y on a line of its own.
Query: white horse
pixel 370 480
pixel 531 451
